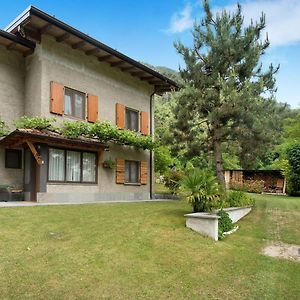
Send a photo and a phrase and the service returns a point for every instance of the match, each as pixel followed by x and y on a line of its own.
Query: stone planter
pixel 206 223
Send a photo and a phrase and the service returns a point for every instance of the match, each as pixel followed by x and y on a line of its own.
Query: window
pixel 13 158
pixel 131 119
pixel 132 171
pixel 74 103
pixel 72 166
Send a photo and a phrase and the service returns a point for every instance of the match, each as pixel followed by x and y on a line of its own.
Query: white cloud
pixel 282 18
pixel 181 21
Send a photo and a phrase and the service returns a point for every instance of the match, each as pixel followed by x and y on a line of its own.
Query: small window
pixel 13 159
pixel 74 103
pixel 132 171
pixel 131 119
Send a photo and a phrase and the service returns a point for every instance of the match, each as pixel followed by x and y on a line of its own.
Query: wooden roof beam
pixel 78 45
pixel 92 51
pixel 45 28
pixel 117 63
pixel 63 37
pixel 105 57
pixel 126 69
pixel 146 78
pixel 11 46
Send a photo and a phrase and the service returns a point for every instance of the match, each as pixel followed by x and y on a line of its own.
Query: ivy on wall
pixel 102 131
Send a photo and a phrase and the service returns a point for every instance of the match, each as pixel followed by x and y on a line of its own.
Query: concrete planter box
pixel 206 223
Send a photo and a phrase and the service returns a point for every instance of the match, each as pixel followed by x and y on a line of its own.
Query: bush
pixel 238 199
pixel 293 176
pixel 201 189
pixel 3 128
pixel 172 180
pixel 163 159
pixel 250 186
pixel 225 223
pixel 39 123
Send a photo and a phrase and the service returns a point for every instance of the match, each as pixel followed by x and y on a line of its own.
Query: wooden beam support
pixel 78 45
pixel 17 143
pixel 155 81
pixel 11 46
pixel 104 58
pixel 125 69
pixel 117 63
pixel 146 78
pixel 32 33
pixel 92 51
pixel 34 153
pixel 63 37
pixel 137 73
pixel 45 28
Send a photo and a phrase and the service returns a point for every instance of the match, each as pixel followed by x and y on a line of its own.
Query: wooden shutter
pixel 144 172
pixel 92 108
pixel 120 115
pixel 120 171
pixel 57 96
pixel 144 123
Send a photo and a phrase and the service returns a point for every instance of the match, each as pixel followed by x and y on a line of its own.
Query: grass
pixel 144 251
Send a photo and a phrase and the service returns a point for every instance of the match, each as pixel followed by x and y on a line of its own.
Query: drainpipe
pixel 151 152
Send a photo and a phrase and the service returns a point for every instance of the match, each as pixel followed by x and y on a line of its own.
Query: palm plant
pixel 201 189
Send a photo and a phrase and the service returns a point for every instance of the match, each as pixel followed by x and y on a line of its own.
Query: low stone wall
pixel 207 223
pixel 90 197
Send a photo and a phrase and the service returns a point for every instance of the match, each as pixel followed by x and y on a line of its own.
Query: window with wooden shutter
pixel 144 123
pixel 92 108
pixel 120 171
pixel 120 115
pixel 57 95
pixel 144 172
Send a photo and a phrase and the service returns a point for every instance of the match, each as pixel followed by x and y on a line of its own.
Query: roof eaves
pixel 31 10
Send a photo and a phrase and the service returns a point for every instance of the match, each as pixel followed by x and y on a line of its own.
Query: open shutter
pixel 57 96
pixel 120 171
pixel 144 172
pixel 92 106
pixel 144 123
pixel 120 115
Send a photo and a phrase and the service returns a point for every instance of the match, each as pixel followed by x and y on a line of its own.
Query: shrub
pixel 163 159
pixel 238 199
pixel 293 176
pixel 3 128
pixel 225 223
pixel 103 131
pixel 202 190
pixel 172 180
pixel 39 123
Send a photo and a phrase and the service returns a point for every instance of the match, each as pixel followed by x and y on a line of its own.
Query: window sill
pixel 71 183
pixel 132 183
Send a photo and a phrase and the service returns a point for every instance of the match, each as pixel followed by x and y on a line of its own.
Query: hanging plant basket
pixel 109 164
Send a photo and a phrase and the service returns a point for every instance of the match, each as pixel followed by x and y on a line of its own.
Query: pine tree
pixel 227 94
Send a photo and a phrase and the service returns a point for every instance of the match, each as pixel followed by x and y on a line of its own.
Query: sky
pixel 146 30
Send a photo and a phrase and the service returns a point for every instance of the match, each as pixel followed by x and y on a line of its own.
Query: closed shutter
pixel 120 115
pixel 144 123
pixel 92 106
pixel 57 96
pixel 144 172
pixel 120 171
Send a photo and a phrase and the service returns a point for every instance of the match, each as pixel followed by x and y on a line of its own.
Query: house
pixel 48 68
pixel 267 181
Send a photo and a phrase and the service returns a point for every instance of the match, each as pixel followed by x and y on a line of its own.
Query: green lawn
pixel 144 251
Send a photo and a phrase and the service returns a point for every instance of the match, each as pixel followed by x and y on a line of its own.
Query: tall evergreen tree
pixel 228 95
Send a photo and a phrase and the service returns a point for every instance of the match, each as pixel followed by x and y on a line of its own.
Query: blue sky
pixel 145 30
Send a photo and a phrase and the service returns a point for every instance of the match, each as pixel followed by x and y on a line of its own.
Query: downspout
pixel 151 152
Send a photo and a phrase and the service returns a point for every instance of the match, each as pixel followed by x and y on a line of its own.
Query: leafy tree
pixel 228 96
pixel 293 155
pixel 163 159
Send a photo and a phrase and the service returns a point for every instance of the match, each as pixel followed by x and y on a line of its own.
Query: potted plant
pixel 109 163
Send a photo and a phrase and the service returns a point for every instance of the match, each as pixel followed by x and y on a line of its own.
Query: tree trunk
pixel 219 162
